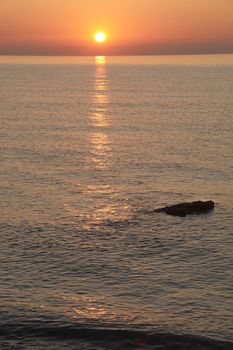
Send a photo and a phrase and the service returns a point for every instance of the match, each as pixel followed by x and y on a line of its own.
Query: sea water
pixel 88 151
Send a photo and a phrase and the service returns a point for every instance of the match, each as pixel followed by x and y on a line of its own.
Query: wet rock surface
pixel 183 209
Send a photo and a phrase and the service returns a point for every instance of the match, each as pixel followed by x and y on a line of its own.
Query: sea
pixel 90 146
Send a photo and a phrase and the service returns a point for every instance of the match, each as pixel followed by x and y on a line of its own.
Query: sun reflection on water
pixel 101 151
pixel 100 59
pixel 103 201
pixel 92 308
pixel 108 207
pixel 101 146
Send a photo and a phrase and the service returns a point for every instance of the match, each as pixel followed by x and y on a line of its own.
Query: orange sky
pixel 132 26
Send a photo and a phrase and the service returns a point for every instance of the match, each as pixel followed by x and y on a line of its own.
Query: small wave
pixel 116 338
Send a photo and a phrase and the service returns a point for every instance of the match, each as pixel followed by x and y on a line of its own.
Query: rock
pixel 185 208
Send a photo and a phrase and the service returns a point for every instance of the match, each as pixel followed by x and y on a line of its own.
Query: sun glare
pixel 100 37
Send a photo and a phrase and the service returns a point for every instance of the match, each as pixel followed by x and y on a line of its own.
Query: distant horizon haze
pixel 118 49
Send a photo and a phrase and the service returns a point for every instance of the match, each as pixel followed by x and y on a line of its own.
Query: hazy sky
pixel 132 26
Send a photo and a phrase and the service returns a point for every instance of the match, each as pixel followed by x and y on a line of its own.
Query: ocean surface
pixel 87 152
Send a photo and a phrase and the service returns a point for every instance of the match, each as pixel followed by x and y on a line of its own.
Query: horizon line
pixel 114 54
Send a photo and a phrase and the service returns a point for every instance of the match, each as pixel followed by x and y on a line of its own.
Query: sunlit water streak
pixel 88 152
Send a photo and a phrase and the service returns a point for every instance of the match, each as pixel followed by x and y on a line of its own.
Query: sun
pixel 100 37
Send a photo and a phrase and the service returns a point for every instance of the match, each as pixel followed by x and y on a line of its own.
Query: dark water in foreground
pixel 88 151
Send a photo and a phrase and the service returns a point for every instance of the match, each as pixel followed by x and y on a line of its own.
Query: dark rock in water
pixel 183 209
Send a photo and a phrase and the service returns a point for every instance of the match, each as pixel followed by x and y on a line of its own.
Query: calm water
pixel 87 152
